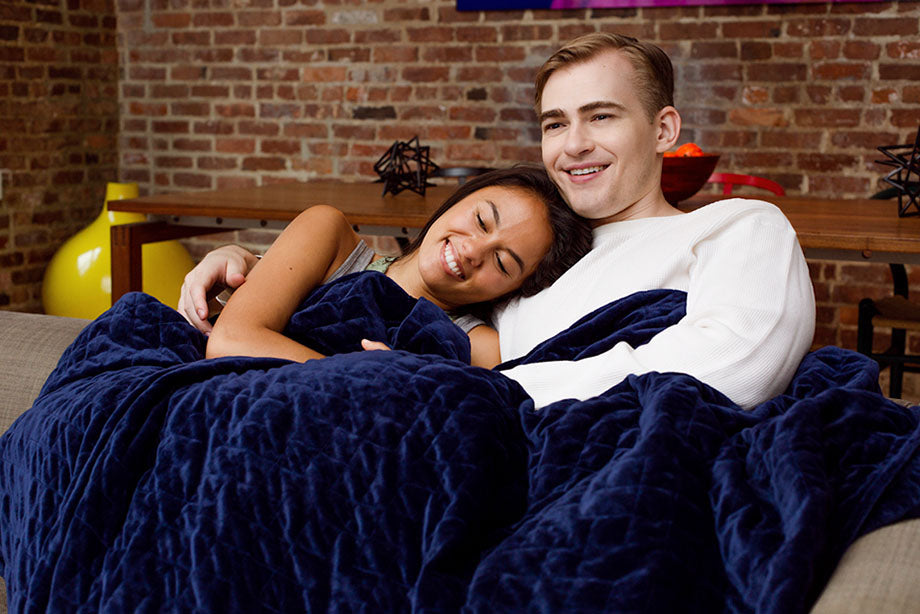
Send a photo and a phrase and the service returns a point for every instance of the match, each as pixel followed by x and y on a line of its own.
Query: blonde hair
pixel 654 72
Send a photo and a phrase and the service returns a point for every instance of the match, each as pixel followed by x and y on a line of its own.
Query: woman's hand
pixel 367 344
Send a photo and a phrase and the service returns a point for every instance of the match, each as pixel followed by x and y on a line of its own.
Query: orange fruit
pixel 689 150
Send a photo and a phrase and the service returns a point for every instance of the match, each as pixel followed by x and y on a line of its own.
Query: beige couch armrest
pixel 30 346
pixel 880 572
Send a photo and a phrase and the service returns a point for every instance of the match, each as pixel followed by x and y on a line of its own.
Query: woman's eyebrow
pixel 498 222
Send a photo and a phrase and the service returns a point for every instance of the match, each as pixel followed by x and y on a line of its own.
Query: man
pixel 605 105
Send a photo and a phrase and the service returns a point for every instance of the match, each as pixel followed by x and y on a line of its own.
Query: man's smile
pixel 586 170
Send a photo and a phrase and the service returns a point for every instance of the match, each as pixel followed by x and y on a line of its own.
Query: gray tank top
pixel 361 259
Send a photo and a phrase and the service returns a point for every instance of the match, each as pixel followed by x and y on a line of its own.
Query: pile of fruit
pixel 687 150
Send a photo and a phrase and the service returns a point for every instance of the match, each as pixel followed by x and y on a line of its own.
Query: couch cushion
pixel 878 573
pixel 30 345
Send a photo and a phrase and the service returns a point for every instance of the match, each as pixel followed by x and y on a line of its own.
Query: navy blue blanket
pixel 147 479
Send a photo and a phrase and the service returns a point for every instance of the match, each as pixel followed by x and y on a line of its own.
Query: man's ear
pixel 668 123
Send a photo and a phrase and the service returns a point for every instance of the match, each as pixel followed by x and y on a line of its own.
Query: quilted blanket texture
pixel 146 479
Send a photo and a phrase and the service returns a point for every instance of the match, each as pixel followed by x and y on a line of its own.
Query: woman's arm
pixel 484 349
pixel 299 260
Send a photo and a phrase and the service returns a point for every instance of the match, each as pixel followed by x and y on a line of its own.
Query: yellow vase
pixel 78 280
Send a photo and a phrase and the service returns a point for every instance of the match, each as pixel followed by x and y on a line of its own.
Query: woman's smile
pixel 452 260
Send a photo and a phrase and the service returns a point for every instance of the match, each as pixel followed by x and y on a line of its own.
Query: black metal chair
pixel 896 312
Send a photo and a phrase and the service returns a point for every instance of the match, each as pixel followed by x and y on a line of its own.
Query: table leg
pixel 126 243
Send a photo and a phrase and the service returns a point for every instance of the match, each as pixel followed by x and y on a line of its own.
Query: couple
pixel 605 106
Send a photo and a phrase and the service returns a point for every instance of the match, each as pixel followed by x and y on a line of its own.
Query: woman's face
pixel 484 246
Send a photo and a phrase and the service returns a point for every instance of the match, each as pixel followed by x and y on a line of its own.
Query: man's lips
pixel 586 171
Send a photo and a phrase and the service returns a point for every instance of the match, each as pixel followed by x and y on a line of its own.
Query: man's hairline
pixel 592 57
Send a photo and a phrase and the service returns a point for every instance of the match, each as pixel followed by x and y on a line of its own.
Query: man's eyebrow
pixel 551 114
pixel 498 223
pixel 600 104
pixel 585 108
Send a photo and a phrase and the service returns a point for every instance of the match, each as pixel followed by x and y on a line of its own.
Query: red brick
pixel 171 20
pixel 327 37
pixel 750 51
pixel 911 94
pixel 286 147
pixel 191 108
pixel 452 55
pixel 304 18
pixel 817 27
pixel 824 49
pixel 432 34
pixel 280 37
pixel 263 164
pixel 407 14
pixel 192 145
pixel 685 31
pixel 214 163
pixel 395 54
pixel 528 32
pixel 237 146
pixel 247 19
pixel 905 118
pixel 835 71
pixel 777 71
pixel 257 128
pixel 424 74
pixel 826 117
pixel 494 53
pixel 193 180
pixel 234 37
pixel 879 26
pixel 173 162
pixel 898 72
pixel 304 130
pixel 851 93
pixel 324 74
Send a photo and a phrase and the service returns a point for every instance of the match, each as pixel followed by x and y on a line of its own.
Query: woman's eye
pixel 480 222
pixel 501 265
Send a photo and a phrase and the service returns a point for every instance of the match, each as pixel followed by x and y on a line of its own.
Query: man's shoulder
pixel 732 210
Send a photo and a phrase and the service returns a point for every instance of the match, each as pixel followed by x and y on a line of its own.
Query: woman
pixel 501 233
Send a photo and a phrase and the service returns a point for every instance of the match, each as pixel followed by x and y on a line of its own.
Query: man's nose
pixel 577 140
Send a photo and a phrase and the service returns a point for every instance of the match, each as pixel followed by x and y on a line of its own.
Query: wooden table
pixel 833 229
pixel 186 214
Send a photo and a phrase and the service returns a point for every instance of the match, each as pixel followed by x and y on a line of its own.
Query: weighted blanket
pixel 147 479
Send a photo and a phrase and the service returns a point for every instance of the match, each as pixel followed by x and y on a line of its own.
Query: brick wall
pixel 221 93
pixel 58 127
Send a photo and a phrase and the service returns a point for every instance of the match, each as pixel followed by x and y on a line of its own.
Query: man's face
pixel 599 144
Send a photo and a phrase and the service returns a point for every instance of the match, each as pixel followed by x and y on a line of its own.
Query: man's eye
pixel 602 116
pixel 480 222
pixel 551 126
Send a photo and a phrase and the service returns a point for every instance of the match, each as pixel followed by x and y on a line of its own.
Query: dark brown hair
pixel 654 72
pixel 571 233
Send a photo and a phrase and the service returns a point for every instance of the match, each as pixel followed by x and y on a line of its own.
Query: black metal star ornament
pixel 905 176
pixel 405 166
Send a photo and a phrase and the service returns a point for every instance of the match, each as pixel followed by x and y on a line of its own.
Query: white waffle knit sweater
pixel 750 304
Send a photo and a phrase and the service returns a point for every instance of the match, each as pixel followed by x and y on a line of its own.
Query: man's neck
pixel 651 205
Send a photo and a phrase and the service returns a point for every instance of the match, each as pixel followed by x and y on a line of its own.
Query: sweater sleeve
pixel 750 320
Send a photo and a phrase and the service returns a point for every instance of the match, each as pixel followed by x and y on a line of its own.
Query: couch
pixel 880 572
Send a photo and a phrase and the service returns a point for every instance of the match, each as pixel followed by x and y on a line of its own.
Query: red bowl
pixel 682 177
